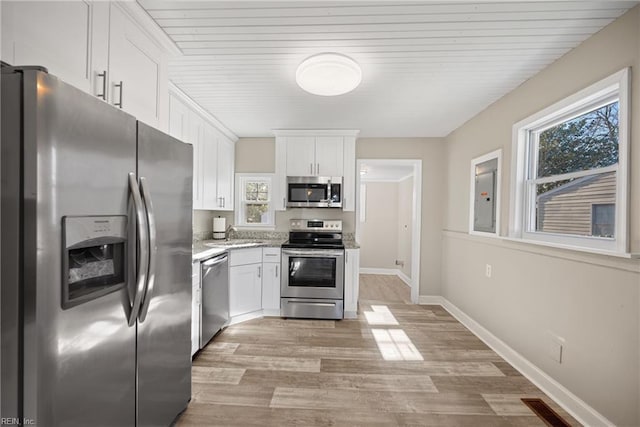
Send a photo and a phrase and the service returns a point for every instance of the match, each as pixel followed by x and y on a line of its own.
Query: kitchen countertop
pixel 202 250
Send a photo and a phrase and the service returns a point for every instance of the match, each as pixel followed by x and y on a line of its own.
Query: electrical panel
pixel 485 201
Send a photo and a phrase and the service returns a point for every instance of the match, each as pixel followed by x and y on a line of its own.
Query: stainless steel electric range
pixel 312 283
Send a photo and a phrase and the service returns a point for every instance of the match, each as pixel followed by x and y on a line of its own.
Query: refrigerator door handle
pixel 153 249
pixel 143 241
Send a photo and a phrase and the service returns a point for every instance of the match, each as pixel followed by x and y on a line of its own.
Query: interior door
pixel 164 334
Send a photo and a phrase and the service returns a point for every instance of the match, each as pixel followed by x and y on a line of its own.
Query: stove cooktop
pixel 312 245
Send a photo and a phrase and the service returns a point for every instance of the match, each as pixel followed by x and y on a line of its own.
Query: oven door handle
pixel 313 253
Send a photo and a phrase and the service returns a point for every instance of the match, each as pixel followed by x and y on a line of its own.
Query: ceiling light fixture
pixel 328 74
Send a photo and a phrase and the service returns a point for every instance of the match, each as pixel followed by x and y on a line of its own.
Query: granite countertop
pixel 351 244
pixel 207 248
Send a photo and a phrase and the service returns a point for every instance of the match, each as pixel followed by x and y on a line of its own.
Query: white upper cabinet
pixel 315 156
pixel 56 35
pixel 178 119
pixel 329 156
pixel 106 49
pixel 209 173
pixel 301 155
pixel 136 65
pixel 315 153
pixel 213 153
pixel 225 169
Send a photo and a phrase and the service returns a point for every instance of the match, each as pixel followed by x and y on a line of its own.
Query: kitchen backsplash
pixel 203 222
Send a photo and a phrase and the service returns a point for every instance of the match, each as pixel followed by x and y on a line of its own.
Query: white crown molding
pixel 316 132
pixel 149 26
pixel 175 90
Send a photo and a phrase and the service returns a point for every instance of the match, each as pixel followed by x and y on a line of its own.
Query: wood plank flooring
pixel 398 364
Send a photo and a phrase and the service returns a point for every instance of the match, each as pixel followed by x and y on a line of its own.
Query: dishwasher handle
pixel 215 261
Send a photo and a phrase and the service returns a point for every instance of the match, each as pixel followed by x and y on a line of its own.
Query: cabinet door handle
pixel 259 271
pixel 103 95
pixel 119 85
pixel 276 271
pixel 317 168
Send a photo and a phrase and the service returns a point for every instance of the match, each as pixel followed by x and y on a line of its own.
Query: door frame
pixel 416 214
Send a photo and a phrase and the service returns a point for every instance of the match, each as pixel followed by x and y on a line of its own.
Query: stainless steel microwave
pixel 314 192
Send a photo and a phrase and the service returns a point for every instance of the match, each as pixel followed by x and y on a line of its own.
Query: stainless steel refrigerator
pixel 96 260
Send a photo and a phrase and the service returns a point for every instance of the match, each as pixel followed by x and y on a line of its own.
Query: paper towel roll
pixel 219 224
pixel 219 228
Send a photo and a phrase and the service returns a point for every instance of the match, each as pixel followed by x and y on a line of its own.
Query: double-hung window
pixel 253 198
pixel 569 184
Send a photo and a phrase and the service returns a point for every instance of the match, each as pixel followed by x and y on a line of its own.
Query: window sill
pixel 572 248
pixel 484 234
pixel 618 261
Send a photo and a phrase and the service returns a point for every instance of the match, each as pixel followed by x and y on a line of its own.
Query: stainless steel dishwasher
pixel 214 311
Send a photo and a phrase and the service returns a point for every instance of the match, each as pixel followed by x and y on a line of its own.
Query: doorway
pixel 389 193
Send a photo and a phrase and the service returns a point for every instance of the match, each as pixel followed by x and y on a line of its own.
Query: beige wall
pixel 379 232
pixel 255 155
pixel 405 232
pixel 591 301
pixel 432 153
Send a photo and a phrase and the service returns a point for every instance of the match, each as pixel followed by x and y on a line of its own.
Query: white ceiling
pixel 427 67
pixel 384 172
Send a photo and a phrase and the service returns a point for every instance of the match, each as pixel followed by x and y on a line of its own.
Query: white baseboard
pixel 267 312
pixel 430 300
pixel 244 317
pixel 383 271
pixel 575 406
pixel 350 314
pixel 406 279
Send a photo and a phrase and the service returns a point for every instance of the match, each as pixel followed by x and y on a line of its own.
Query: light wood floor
pixel 426 370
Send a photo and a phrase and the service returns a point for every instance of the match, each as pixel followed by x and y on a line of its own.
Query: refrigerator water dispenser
pixel 93 257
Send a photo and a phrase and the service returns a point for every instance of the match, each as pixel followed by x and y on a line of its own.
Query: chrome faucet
pixel 229 229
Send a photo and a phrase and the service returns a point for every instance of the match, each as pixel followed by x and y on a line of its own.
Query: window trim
pixel 240 179
pixel 616 84
pixel 495 154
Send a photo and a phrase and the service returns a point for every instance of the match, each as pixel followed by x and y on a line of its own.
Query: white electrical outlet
pixel 487 270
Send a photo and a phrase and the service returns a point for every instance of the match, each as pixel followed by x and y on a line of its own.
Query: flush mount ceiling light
pixel 328 74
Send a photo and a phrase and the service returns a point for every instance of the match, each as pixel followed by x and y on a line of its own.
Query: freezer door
pixel 164 325
pixel 78 359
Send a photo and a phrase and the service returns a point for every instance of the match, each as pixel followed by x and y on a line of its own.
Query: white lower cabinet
pixel 245 281
pixel 351 282
pixel 195 307
pixel 271 281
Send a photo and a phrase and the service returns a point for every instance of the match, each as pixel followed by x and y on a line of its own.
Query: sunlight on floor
pixel 381 315
pixel 394 344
